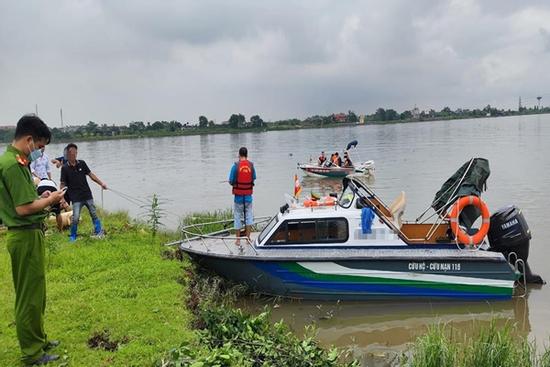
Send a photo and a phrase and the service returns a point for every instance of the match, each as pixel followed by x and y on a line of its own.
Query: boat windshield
pixel 346 199
pixel 272 223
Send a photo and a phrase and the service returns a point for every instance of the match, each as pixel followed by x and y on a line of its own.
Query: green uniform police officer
pixel 22 211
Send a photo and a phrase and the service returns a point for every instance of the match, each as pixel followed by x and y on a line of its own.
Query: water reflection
pixel 378 332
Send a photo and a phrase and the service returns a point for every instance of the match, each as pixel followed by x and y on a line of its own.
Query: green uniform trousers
pixel 27 251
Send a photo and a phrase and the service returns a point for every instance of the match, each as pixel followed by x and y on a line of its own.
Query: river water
pixel 188 173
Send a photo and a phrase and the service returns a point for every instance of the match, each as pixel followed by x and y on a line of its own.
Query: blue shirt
pixel 233 179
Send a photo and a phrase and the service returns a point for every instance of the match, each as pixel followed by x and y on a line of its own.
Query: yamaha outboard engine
pixel 508 233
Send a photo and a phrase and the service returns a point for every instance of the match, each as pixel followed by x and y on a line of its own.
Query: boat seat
pixel 397 208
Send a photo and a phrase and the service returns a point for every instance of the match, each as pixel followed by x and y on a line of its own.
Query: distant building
pixel 8 127
pixel 340 117
pixel 361 119
pixel 415 112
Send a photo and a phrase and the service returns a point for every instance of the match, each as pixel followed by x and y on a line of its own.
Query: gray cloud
pixel 545 34
pixel 116 61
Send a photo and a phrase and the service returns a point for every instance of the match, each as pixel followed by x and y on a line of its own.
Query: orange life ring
pixel 462 236
pixel 326 201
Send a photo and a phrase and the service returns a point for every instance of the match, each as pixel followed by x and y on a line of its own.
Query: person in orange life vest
pixel 329 162
pixel 336 160
pixel 242 177
pixel 322 159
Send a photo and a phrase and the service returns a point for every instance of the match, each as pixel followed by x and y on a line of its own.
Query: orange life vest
pixel 244 180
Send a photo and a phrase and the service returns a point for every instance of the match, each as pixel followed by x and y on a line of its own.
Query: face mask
pixel 35 154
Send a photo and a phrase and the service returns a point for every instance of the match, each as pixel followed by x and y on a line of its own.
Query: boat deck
pixel 226 248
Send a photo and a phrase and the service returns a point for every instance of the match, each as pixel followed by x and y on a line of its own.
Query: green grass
pixel 492 347
pixel 434 349
pixel 120 284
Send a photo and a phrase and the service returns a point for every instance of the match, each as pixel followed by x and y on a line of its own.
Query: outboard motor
pixel 508 233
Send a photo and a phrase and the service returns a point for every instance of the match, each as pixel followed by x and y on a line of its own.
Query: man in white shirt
pixel 41 167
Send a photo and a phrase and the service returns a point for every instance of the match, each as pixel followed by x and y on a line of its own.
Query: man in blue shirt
pixel 242 177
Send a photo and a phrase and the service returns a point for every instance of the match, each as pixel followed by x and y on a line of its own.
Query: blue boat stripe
pixel 298 280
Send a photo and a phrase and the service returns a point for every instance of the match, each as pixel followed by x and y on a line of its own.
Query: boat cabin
pixel 342 222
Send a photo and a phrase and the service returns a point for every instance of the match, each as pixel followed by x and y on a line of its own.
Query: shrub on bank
pixel 233 338
pixel 227 336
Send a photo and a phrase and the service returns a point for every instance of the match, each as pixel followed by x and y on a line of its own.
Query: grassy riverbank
pixel 128 301
pixel 119 289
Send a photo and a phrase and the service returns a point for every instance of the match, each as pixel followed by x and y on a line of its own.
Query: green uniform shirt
pixel 16 188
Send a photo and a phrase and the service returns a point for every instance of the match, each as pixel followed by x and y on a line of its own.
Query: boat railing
pixel 194 232
pixel 521 269
pixel 367 194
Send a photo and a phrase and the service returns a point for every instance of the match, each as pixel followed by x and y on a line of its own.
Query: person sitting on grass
pixel 48 185
pixel 74 175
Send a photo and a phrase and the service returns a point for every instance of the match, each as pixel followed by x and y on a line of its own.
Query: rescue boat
pixel 328 169
pixel 356 247
pixel 315 170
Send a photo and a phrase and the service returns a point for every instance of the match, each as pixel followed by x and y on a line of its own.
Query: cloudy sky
pixel 117 61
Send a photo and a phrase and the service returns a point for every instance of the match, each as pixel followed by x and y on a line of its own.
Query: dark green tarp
pixel 472 184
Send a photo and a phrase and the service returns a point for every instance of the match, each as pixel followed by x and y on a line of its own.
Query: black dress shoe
pixel 45 359
pixel 51 344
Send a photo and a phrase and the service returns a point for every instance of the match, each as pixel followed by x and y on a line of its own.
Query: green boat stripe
pixel 403 279
pixel 330 268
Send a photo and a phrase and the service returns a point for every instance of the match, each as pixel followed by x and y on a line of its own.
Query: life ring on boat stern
pixel 463 237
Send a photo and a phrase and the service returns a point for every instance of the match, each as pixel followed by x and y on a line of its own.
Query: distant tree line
pixel 446 113
pixel 238 122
